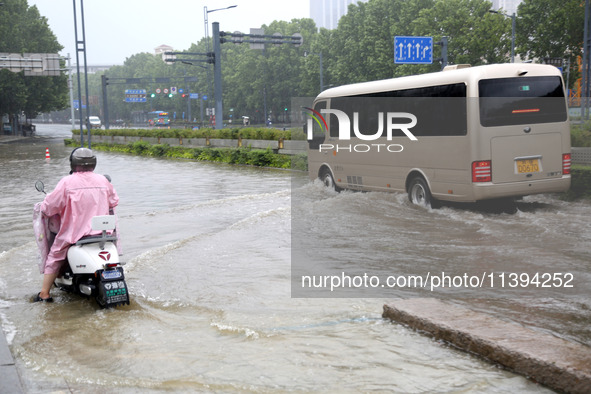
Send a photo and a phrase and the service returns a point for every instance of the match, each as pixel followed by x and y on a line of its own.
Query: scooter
pixel 94 268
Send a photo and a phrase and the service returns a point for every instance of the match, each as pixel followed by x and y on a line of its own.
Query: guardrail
pixel 282 146
pixel 581 155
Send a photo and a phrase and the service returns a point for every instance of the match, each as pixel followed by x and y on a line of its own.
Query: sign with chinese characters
pixel 135 95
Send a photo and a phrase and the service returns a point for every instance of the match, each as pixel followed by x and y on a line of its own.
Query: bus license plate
pixel 527 166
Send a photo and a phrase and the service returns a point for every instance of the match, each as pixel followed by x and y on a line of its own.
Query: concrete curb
pixel 9 378
pixel 4 139
pixel 286 147
pixel 559 364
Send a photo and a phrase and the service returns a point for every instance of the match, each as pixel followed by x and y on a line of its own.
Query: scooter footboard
pixel 112 288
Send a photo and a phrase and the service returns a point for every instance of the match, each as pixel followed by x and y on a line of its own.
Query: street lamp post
pixel 217 75
pixel 206 21
pixel 513 38
pixel 321 72
pixel 206 12
pixel 513 17
pixel 81 47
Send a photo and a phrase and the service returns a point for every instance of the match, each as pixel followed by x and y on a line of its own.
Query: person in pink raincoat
pixel 77 198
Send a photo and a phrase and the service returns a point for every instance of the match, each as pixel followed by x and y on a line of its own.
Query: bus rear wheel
pixel 419 193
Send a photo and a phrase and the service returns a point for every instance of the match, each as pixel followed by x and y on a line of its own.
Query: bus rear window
pixel 516 101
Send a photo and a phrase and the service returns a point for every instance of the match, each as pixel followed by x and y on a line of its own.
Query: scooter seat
pixel 89 239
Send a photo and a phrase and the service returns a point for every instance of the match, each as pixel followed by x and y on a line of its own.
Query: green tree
pixel 284 66
pixel 475 36
pixel 24 30
pixel 244 72
pixel 147 67
pixel 362 47
pixel 550 28
pixel 364 42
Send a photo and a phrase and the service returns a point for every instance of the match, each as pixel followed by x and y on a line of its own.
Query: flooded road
pixel 209 249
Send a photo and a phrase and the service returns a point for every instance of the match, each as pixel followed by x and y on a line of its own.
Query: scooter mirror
pixel 40 186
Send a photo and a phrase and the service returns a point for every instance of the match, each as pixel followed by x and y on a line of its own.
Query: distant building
pixel 508 6
pixel 159 50
pixel 326 13
pixel 92 68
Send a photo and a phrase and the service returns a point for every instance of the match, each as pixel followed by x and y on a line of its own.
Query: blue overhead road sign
pixel 135 95
pixel 413 50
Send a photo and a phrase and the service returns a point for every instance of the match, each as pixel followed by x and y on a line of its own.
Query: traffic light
pixel 152 95
pixel 170 95
pixel 184 95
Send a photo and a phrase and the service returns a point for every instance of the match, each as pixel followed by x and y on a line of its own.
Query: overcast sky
pixel 117 29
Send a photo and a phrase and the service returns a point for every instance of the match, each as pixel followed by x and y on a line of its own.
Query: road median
pixel 554 362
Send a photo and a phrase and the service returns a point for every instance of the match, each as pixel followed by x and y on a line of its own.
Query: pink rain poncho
pixel 76 199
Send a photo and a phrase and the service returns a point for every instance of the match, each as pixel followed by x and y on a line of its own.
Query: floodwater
pixel 208 250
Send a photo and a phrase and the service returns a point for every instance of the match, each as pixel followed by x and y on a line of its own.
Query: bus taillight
pixel 481 171
pixel 566 164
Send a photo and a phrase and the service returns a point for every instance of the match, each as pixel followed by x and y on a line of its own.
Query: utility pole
pixel 513 17
pixel 206 12
pixel 104 84
pixel 586 74
pixel 71 90
pixel 217 75
pixel 321 72
pixel 443 58
pixel 81 47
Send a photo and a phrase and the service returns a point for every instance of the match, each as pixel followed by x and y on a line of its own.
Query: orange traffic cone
pixel 47 156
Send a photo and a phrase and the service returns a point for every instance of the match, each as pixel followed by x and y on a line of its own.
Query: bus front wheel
pixel 328 180
pixel 419 193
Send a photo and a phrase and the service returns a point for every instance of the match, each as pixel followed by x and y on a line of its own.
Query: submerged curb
pixel 559 364
pixel 9 377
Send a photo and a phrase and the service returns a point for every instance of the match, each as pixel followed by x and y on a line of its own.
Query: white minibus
pixel 464 134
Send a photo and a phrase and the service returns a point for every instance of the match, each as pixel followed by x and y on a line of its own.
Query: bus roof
pixel 467 75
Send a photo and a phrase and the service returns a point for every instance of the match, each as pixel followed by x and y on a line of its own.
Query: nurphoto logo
pixel 391 120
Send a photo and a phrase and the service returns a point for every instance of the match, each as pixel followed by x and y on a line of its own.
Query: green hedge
pixel 580 183
pixel 580 135
pixel 254 157
pixel 253 133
